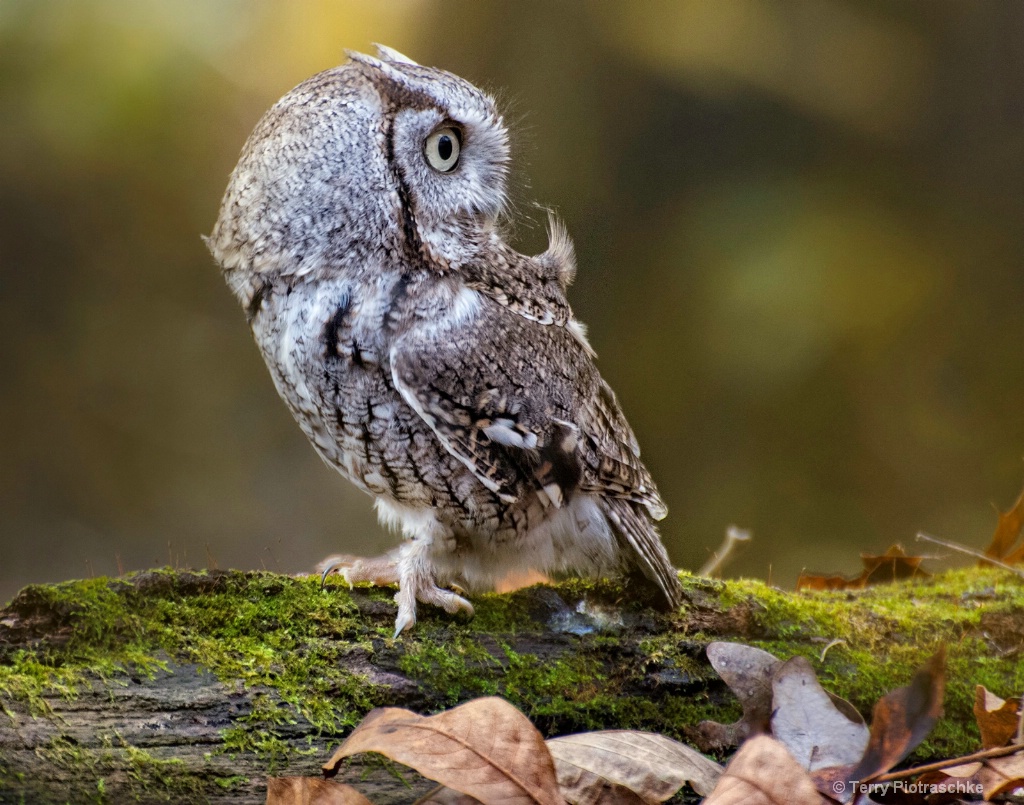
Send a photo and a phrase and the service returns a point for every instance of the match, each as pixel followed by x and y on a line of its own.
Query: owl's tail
pixel 640 543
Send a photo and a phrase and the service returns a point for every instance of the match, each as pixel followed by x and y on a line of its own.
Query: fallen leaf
pixel 311 791
pixel 748 672
pixel 1008 530
pixel 1002 775
pixel 955 780
pixel 963 771
pixel 998 776
pixel 902 718
pixel 485 748
pixel 594 767
pixel 893 565
pixel 764 773
pixel 997 719
pixel 805 719
pixel 834 782
pixel 442 795
pixel 817 582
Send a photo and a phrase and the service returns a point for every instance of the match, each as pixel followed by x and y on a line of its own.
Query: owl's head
pixel 375 159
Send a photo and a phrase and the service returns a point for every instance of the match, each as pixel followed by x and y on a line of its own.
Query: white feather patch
pixel 503 431
pixel 578 330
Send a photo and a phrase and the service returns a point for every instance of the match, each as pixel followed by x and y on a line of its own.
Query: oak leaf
pixel 600 767
pixel 748 672
pixel 903 718
pixel 805 718
pixel 1008 530
pixel 311 791
pixel 997 719
pixel 893 565
pixel 485 749
pixel 764 773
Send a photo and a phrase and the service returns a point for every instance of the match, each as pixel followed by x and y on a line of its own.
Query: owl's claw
pixel 327 569
pixel 405 620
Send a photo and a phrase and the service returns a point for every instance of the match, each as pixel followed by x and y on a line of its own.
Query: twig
pixel 999 751
pixel 964 549
pixel 733 536
pixel 1020 723
pixel 824 651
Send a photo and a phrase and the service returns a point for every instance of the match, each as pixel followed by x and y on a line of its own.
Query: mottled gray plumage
pixel 433 366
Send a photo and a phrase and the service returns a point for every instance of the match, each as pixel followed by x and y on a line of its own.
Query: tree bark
pixel 195 686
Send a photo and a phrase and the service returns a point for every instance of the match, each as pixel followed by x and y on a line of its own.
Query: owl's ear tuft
pixel 390 54
pixel 388 75
pixel 560 258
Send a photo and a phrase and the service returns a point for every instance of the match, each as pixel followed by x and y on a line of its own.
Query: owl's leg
pixel 417 583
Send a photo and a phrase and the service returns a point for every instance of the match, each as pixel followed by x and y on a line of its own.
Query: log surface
pixel 194 686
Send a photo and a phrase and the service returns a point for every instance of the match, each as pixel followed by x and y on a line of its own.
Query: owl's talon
pixel 406 619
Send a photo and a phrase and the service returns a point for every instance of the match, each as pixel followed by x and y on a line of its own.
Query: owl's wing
pixel 522 405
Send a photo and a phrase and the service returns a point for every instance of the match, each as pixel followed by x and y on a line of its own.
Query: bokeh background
pixel 799 228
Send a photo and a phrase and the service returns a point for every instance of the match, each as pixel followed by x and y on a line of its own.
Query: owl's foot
pixel 429 593
pixel 408 568
pixel 379 571
pixel 417 583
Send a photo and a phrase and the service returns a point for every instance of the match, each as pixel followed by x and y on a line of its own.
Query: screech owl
pixel 432 365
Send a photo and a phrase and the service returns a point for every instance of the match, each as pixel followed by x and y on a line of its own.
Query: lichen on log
pixel 187 686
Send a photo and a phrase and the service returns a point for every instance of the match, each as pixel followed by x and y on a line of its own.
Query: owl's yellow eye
pixel 442 149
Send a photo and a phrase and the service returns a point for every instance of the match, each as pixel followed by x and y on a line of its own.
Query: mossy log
pixel 189 686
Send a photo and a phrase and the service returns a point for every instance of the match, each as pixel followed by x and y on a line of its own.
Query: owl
pixel 432 365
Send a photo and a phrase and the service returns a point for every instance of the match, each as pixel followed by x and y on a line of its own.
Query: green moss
pixel 454 665
pixel 265 632
pixel 232 783
pixel 291 647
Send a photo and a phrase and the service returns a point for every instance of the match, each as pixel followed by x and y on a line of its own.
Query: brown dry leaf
pixel 997 719
pixel 954 779
pixel 817 582
pixel 1002 775
pixel 998 776
pixel 1006 534
pixel 311 791
pixel 805 719
pixel 591 766
pixel 903 718
pixel 485 748
pixel 893 565
pixel 834 783
pixel 961 772
pixel 748 673
pixel 443 795
pixel 764 773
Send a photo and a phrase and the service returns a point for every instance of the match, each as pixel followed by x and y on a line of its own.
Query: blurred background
pixel 799 229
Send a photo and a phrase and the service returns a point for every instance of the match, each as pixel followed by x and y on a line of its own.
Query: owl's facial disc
pixel 448 144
